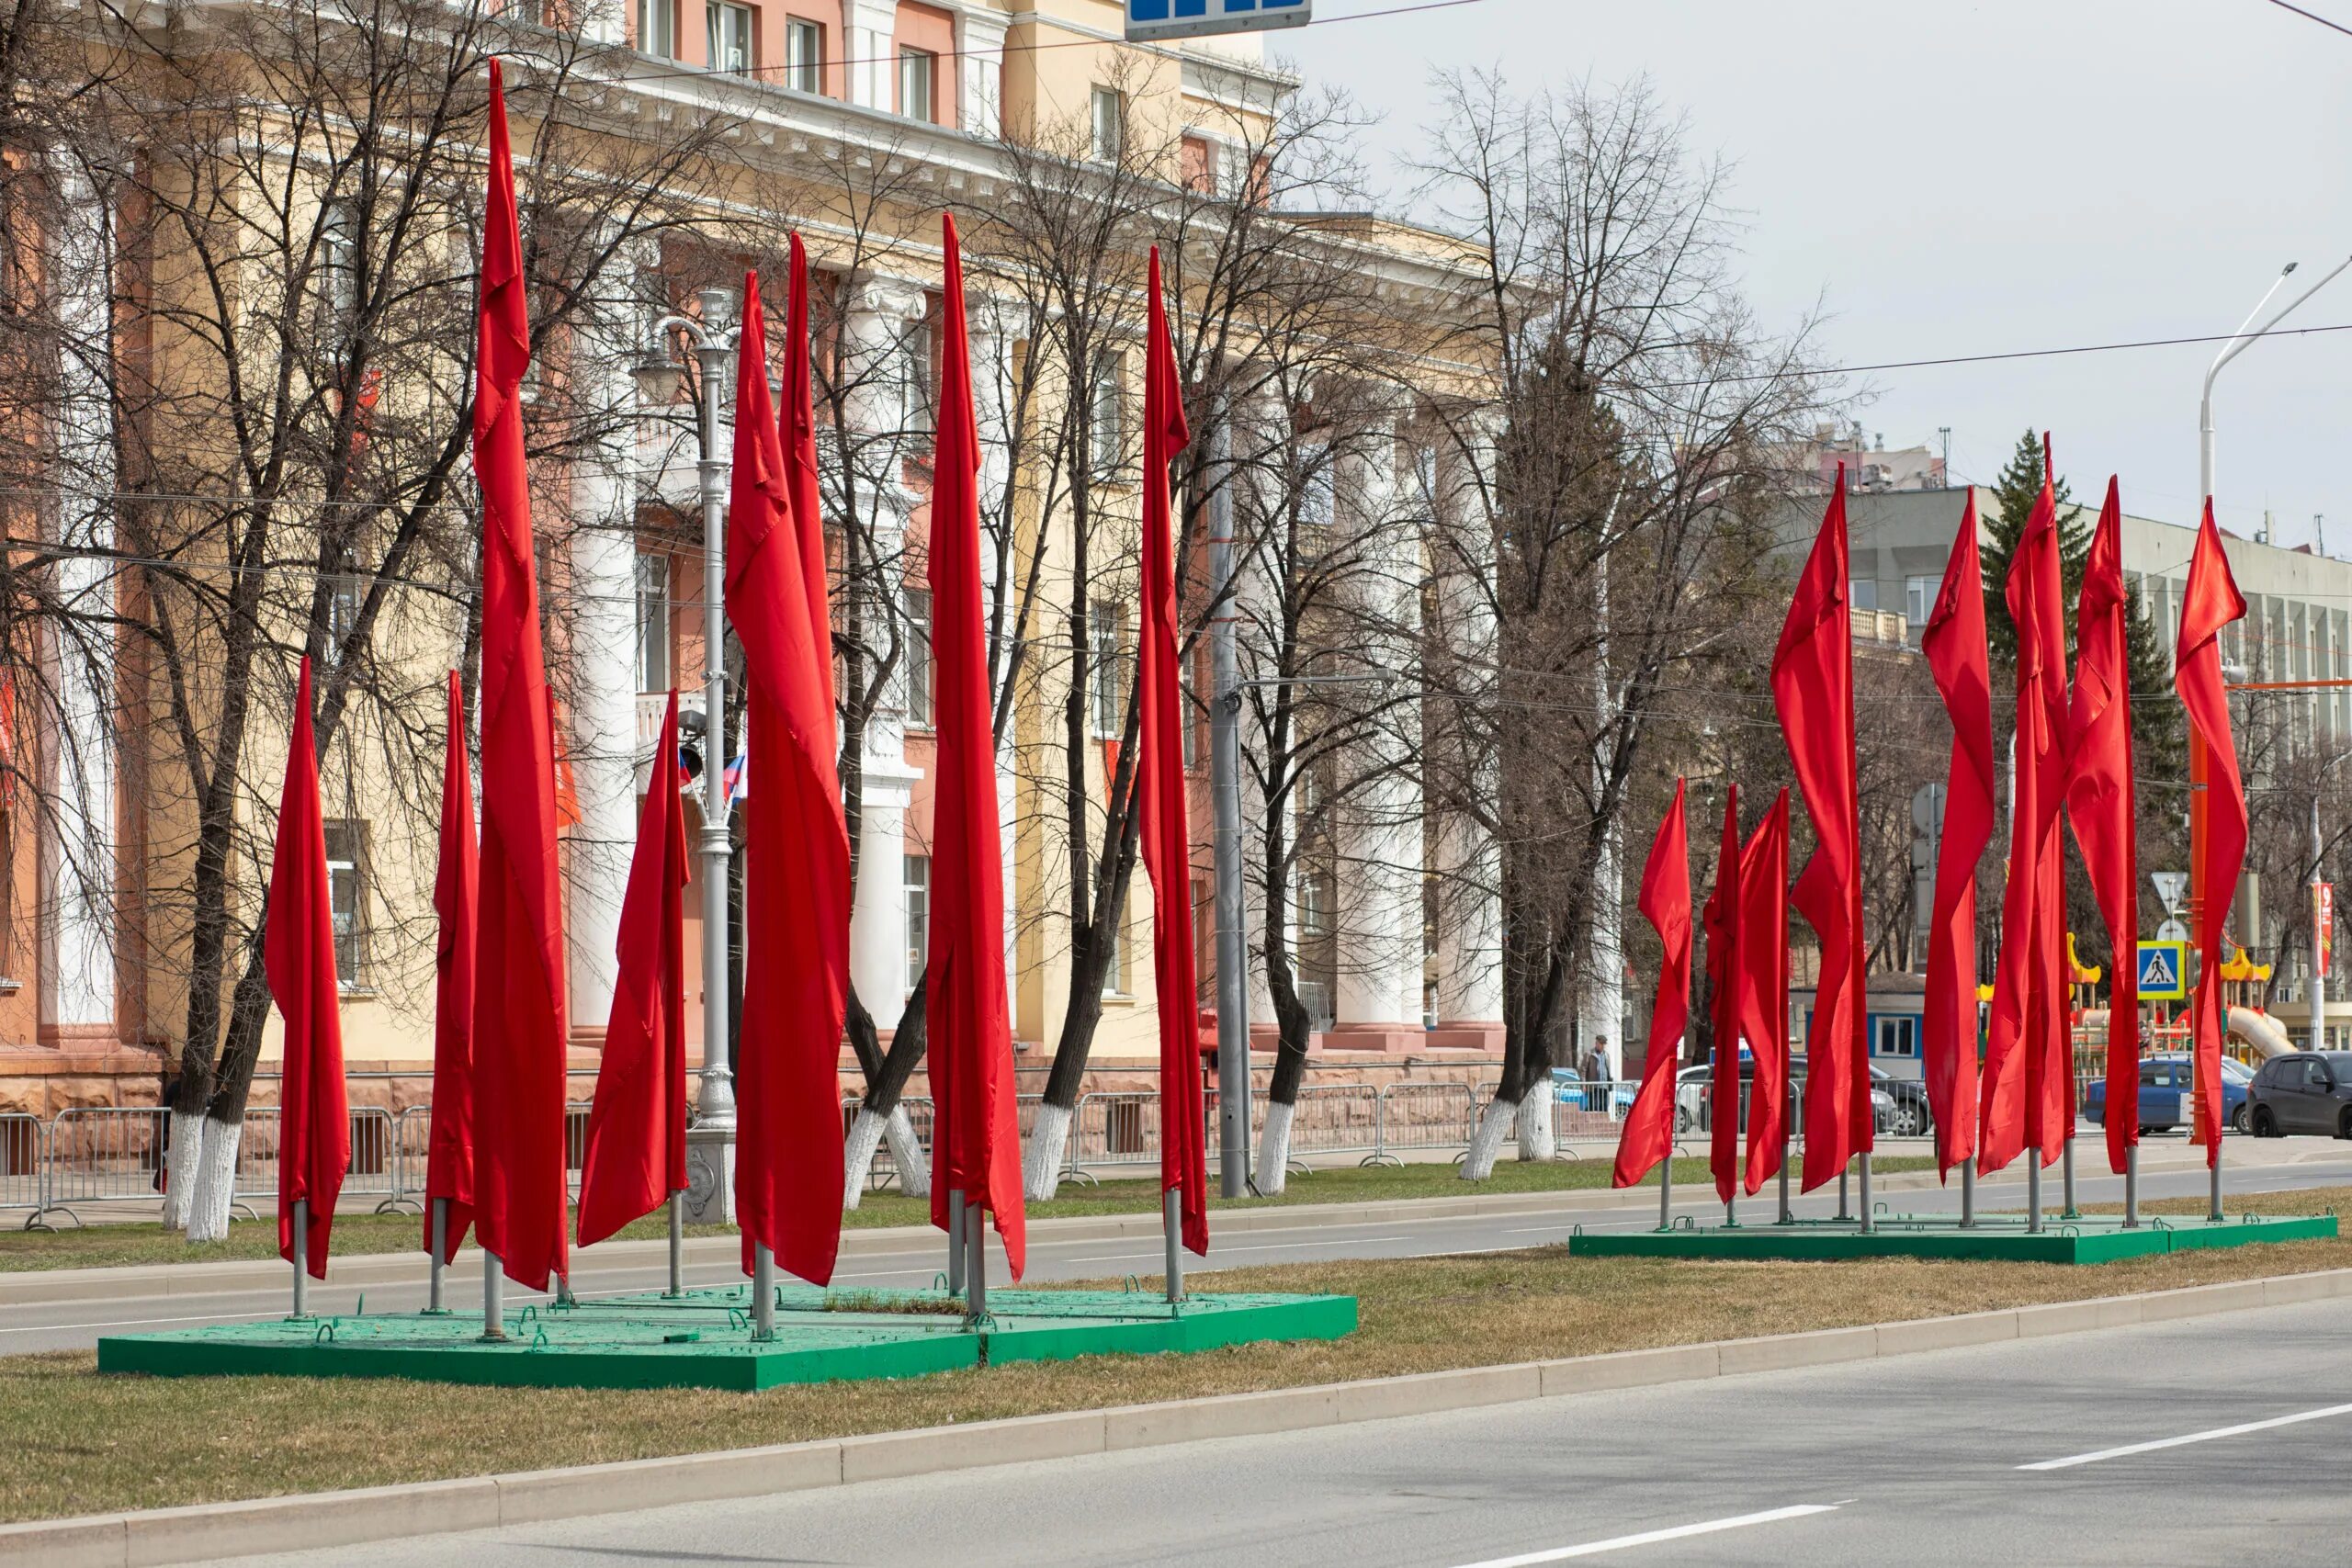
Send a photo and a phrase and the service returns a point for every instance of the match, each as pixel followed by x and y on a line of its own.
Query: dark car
pixel 1905 1114
pixel 1694 1097
pixel 2165 1090
pixel 2310 1091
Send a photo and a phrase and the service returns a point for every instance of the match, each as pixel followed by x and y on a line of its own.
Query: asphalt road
pixel 912 1263
pixel 1922 1459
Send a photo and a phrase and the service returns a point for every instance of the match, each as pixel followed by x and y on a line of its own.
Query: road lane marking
pixel 1650 1538
pixel 137 1322
pixel 2239 1430
pixel 1221 1248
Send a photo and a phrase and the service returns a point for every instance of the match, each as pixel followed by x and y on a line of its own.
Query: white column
pixel 1378 827
pixel 877 319
pixel 869 43
pixel 1600 1003
pixel 980 42
pixel 1470 926
pixel 77 862
pixel 603 635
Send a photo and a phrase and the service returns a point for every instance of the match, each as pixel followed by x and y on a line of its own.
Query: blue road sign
pixel 1150 19
pixel 2164 971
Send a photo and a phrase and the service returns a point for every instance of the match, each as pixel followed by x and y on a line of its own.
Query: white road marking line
pixel 2238 1430
pixel 1650 1538
pixel 138 1321
pixel 1223 1248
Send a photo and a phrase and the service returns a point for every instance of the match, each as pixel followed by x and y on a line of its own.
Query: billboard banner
pixel 1151 19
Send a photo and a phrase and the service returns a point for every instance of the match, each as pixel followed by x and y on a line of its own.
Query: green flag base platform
pixel 2089 1238
pixel 702 1339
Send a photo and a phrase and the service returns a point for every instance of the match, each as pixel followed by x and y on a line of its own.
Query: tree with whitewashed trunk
pixel 1637 437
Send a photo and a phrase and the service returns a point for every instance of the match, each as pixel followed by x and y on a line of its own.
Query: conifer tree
pixel 2011 496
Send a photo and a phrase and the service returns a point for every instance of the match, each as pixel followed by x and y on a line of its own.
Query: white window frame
pixel 915 881
pixel 656 28
pixel 348 899
pixel 1107 108
pixel 652 623
pixel 731 55
pixel 1105 641
pixel 1107 412
pixel 804 55
pixel 921 674
pixel 918 79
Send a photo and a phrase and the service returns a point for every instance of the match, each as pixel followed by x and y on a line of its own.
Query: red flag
pixel 1721 916
pixel 1648 1135
pixel 1764 988
pixel 2212 601
pixel 1167 839
pixel 796 854
pixel 519 1024
pixel 977 1131
pixel 637 1126
pixel 2099 803
pixel 450 1155
pixel 298 952
pixel 1954 645
pixel 799 435
pixel 2028 1092
pixel 1813 688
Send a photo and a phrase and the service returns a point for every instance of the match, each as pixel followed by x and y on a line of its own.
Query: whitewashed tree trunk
pixel 908 1154
pixel 1273 1150
pixel 1535 1120
pixel 179 1166
pixel 1041 1165
pixel 857 1155
pixel 216 1183
pixel 866 1131
pixel 1487 1141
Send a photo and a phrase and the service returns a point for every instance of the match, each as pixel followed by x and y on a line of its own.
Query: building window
pixel 657 27
pixel 1104 636
pixel 343 615
pixel 1317 893
pixel 804 56
pixel 916 386
pixel 1188 706
pixel 1114 973
pixel 1197 164
pixel 1919 599
pixel 1898 1037
pixel 1110 121
pixel 1861 593
pixel 731 38
pixel 917 882
pixel 346 896
pixel 1204 941
pixel 653 623
pixel 917 70
pixel 1108 415
pixel 919 672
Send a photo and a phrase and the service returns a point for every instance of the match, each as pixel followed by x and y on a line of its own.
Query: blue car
pixel 2163 1094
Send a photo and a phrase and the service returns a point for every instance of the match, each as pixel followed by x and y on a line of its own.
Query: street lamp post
pixel 657 375
pixel 2319 923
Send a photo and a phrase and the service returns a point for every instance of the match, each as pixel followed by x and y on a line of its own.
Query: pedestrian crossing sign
pixel 2164 971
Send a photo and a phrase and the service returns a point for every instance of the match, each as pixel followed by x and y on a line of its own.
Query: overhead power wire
pixel 1832 370
pixel 2313 17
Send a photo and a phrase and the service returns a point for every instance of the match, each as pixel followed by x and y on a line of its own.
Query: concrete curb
pixel 350 1518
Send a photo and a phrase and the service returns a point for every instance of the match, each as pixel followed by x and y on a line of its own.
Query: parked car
pixel 2310 1091
pixel 1569 1089
pixel 2165 1084
pixel 1905 1114
pixel 1694 1097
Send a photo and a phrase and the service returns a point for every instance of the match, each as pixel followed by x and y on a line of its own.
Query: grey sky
pixel 1960 178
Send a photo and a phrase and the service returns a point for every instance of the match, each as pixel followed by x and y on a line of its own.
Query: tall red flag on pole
pixel 795 853
pixel 520 1031
pixel 1721 916
pixel 636 1125
pixel 2212 601
pixel 449 1152
pixel 1813 688
pixel 1764 989
pixel 298 952
pixel 1956 652
pixel 977 1136
pixel 1665 902
pixel 1167 839
pixel 2026 1097
pixel 2101 805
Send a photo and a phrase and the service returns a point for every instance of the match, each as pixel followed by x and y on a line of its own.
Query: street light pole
pixel 1225 764
pixel 2239 342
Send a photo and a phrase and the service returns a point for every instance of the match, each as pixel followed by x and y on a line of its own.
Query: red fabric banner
pixel 2027 1094
pixel 1955 648
pixel 1648 1135
pixel 1764 989
pixel 795 853
pixel 298 954
pixel 449 1152
pixel 2100 805
pixel 1721 916
pixel 2212 601
pixel 1813 688
pixel 976 1137
pixel 799 437
pixel 1166 836
pixel 636 1125
pixel 520 1032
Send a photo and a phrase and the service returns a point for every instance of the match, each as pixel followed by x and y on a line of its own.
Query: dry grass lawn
pixel 85 1444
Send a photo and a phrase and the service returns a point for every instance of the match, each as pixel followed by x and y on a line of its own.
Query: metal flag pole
pixel 493 1290
pixel 440 1251
pixel 1666 1190
pixel 1845 1209
pixel 1868 1224
pixel 763 1292
pixel 302 1258
pixel 2033 1190
pixel 1967 1193
pixel 1171 1222
pixel 976 1265
pixel 2071 1213
pixel 1788 1129
pixel 677 1245
pixel 955 1242
pixel 2132 1187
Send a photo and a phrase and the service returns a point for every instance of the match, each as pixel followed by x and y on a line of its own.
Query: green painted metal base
pixel 2091 1238
pixel 704 1339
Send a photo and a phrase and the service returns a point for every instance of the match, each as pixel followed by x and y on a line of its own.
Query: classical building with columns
pixel 854 121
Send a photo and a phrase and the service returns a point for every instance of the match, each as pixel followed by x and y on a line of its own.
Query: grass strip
pixel 86 1444
pixel 119 1244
